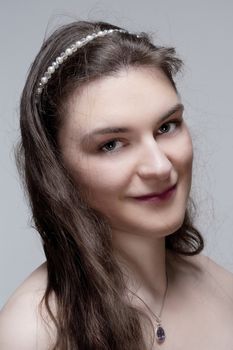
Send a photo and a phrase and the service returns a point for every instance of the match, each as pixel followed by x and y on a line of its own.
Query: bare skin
pixel 153 153
pixel 150 143
pixel 198 313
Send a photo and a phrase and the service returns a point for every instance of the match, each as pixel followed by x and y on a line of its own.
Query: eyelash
pixel 177 123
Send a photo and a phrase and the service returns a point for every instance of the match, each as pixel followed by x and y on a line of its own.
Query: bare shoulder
pixel 204 269
pixel 213 269
pixel 22 313
pixel 217 273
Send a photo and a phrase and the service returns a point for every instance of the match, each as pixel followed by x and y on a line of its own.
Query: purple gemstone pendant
pixel 160 334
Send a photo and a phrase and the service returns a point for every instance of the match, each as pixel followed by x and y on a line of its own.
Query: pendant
pixel 160 334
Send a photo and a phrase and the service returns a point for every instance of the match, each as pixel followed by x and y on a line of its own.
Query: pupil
pixel 165 128
pixel 110 145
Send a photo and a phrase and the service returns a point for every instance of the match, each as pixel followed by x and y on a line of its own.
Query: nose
pixel 154 162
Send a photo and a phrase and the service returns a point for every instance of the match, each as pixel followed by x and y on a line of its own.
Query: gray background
pixel 202 33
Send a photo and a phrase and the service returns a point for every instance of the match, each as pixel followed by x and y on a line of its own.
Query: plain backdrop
pixel 202 32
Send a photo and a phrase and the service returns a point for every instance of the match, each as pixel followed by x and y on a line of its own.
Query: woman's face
pixel 123 137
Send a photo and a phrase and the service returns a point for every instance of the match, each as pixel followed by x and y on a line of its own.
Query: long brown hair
pixel 91 311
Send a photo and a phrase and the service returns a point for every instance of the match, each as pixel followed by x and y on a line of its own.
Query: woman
pixel 106 158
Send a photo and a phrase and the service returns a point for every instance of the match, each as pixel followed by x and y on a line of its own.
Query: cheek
pixel 188 150
pixel 102 190
pixel 181 153
pixel 100 183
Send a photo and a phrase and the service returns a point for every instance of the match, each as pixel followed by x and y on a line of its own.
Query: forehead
pixel 132 94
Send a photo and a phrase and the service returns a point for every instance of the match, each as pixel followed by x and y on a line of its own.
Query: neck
pixel 143 262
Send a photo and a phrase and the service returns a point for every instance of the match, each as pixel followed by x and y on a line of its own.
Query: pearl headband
pixel 68 52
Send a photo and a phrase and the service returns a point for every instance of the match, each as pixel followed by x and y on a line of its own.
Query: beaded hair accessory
pixel 68 52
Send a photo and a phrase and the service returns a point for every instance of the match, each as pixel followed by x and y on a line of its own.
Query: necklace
pixel 159 331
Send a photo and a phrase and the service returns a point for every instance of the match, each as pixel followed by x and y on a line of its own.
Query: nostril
pixel 160 170
pixel 160 166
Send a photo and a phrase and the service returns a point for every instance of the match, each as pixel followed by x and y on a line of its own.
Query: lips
pixel 160 194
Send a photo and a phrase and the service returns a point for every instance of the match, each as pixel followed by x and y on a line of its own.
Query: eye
pixel 110 146
pixel 169 127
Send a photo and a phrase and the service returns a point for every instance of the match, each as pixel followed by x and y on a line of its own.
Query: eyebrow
pixel 118 130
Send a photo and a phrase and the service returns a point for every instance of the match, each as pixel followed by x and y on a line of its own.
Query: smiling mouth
pixel 163 195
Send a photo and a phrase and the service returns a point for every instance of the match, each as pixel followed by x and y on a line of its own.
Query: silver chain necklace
pixel 159 331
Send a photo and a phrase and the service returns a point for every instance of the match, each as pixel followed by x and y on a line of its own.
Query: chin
pixel 171 228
